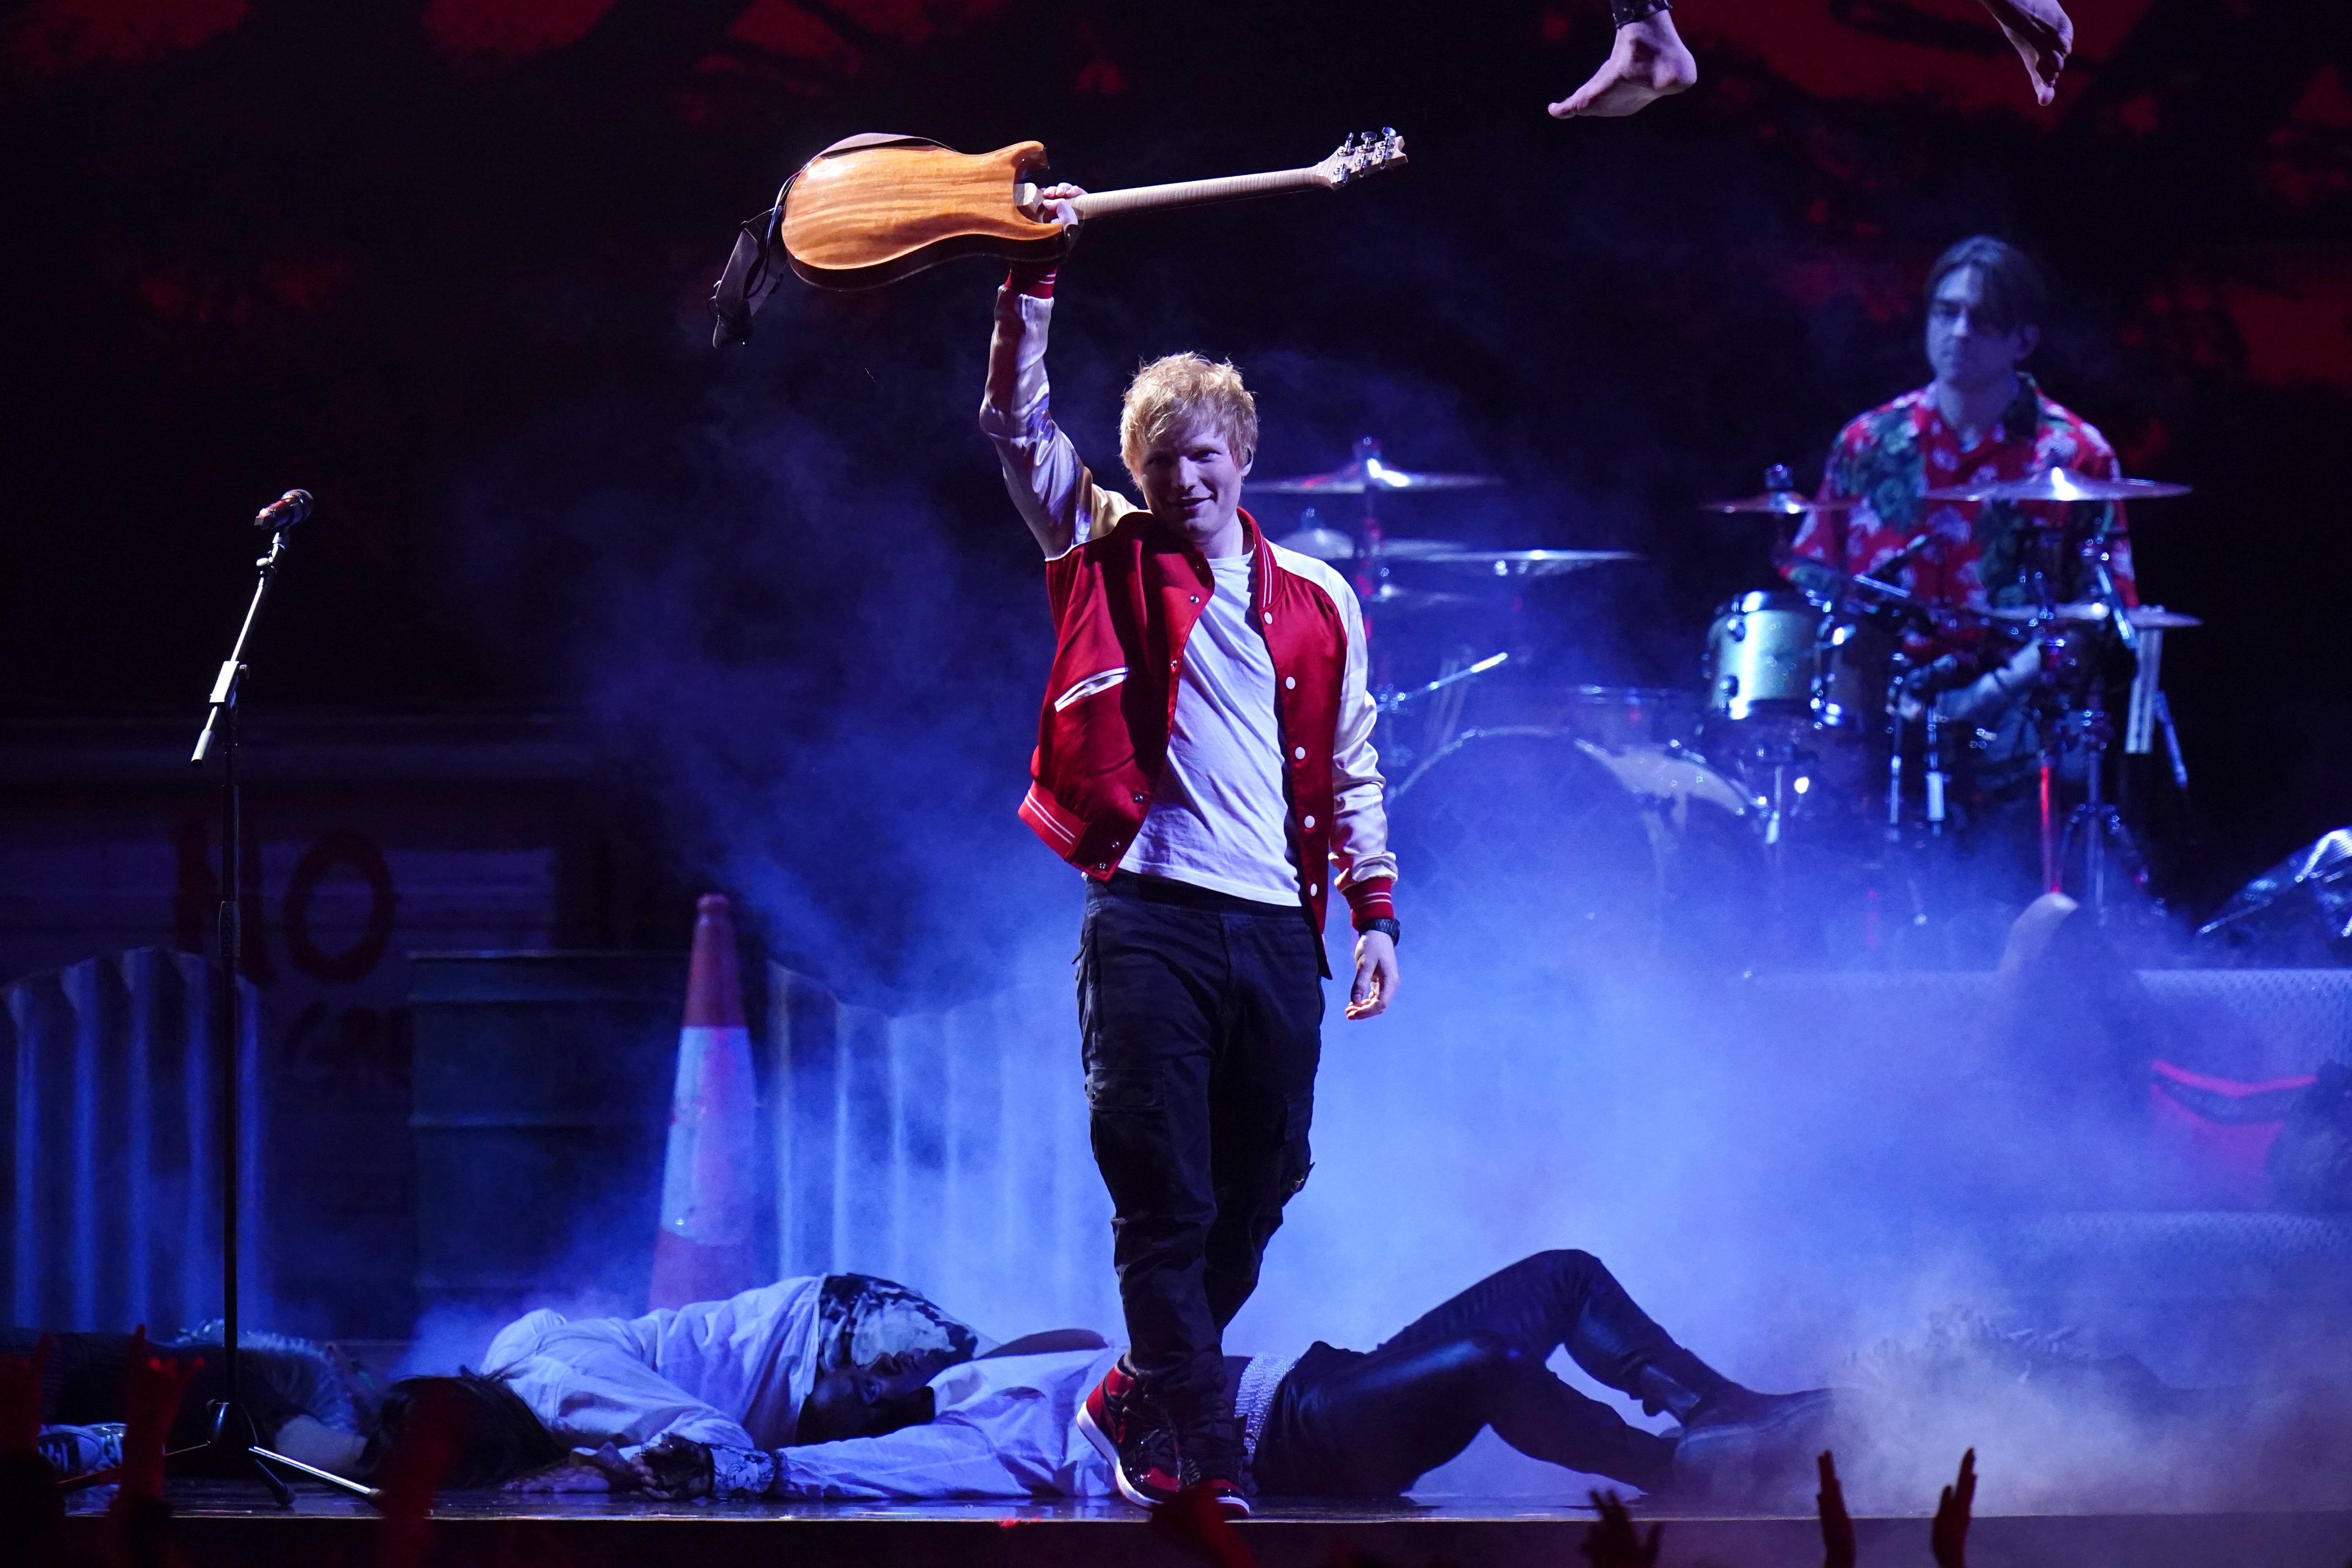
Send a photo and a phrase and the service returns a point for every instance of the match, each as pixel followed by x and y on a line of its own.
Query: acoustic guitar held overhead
pixel 874 209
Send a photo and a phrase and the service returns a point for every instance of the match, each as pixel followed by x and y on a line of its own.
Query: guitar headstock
pixel 1361 155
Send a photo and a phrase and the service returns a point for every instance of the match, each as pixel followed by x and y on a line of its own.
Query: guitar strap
pixel 756 266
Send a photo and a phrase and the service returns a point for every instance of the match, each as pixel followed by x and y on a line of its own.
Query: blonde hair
pixel 1172 392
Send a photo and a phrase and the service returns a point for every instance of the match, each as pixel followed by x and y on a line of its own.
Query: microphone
pixel 284 513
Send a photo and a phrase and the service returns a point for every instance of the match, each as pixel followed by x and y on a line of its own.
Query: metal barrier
pixel 113 1180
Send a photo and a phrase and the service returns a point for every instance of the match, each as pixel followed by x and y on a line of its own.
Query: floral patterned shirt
pixel 1982 553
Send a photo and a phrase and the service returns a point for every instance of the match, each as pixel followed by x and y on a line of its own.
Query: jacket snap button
pixel 1290 683
pixel 1196 598
pixel 1172 664
pixel 1100 865
pixel 1269 617
pixel 1299 753
pixel 1139 800
pixel 1311 825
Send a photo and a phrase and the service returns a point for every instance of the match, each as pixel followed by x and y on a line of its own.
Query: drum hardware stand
pixel 2097 819
pixel 1388 704
pixel 1388 700
pixel 234 1439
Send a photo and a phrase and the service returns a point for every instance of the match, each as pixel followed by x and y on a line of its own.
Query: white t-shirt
pixel 1217 818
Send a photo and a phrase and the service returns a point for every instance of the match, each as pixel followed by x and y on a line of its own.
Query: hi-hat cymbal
pixel 1368 474
pixel 1779 498
pixel 1330 544
pixel 2057 484
pixel 2145 617
pixel 1527 562
pixel 1779 503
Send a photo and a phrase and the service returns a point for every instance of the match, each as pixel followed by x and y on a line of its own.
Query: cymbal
pixel 1527 562
pixel 1391 597
pixel 2057 484
pixel 2146 617
pixel 1779 498
pixel 1331 544
pixel 1779 503
pixel 1323 544
pixel 1396 549
pixel 1368 474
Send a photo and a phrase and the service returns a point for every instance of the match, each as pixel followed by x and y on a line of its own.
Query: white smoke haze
pixel 828 665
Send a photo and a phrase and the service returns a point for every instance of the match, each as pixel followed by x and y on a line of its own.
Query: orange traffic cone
pixel 704 1250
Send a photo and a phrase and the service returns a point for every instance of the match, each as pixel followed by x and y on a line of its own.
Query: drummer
pixel 1983 417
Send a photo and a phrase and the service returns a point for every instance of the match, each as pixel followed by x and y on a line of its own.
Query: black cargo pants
pixel 1200 1018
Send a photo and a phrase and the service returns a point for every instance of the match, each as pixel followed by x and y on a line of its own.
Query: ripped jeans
pixel 1200 1016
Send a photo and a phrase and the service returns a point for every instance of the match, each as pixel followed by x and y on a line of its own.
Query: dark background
pixel 442 264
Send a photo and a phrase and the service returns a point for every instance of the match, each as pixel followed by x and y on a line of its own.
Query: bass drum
pixel 1539 852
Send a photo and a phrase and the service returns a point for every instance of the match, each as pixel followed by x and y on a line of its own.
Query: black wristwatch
pixel 1386 927
pixel 1625 13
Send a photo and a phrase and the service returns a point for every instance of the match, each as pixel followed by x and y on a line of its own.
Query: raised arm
pixel 1054 491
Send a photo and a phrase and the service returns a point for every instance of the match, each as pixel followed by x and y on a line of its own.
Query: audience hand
pixel 151 1396
pixel 1647 62
pixel 20 1400
pixel 1948 1536
pixel 1837 1528
pixel 1613 1542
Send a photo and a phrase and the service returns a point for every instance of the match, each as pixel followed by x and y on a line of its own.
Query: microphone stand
pixel 233 1445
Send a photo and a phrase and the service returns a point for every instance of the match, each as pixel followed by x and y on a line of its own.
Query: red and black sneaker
pixel 1131 1432
pixel 1213 1466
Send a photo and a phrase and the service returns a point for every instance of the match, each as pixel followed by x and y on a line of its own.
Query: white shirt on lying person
pixel 1001 1426
pixel 730 1373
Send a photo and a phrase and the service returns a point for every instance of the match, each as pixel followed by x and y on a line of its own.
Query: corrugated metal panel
pixel 947 1150
pixel 113 1172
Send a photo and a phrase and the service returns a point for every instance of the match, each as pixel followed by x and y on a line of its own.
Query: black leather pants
pixel 1351 1424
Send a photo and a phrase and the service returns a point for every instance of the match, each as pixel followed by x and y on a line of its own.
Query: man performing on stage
pixel 1204 757
pixel 1982 417
pixel 1326 1422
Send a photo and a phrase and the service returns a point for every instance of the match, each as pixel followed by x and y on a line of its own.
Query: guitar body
pixel 859 216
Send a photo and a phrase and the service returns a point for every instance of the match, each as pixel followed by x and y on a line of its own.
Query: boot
pixel 1679 1385
pixel 1753 1449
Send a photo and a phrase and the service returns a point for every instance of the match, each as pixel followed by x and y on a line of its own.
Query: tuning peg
pixel 1388 132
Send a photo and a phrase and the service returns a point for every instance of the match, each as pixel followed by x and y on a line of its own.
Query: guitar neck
pixel 1194 193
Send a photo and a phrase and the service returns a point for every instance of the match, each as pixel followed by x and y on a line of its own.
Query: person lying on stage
pixel 760 1369
pixel 1323 1423
pixel 1650 61
pixel 298 1396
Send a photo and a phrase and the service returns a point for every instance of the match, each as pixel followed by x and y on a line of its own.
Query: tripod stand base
pixel 230 1453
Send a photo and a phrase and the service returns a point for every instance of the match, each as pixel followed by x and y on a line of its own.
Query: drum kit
pixel 1827 717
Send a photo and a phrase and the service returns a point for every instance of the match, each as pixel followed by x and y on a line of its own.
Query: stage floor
pixel 225 1524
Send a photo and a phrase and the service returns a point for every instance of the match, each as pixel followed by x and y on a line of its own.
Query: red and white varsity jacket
pixel 1125 591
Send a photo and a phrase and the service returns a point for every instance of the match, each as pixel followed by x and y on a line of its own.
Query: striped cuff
pixel 1625 13
pixel 1036 282
pixel 1369 899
